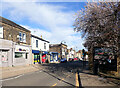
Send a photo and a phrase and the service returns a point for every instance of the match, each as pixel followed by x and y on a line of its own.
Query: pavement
pixel 63 75
pixel 7 72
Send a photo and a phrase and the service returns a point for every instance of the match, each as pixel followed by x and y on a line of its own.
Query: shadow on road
pixel 61 68
pixel 66 67
pixel 58 69
pixel 60 79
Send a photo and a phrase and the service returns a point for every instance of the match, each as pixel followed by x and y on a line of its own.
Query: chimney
pixel 41 36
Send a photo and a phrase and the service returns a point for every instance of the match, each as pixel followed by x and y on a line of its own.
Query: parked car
pixel 71 59
pixel 75 59
pixel 63 60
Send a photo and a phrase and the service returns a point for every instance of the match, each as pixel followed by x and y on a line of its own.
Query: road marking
pixel 54 85
pixel 62 79
pixel 77 83
pixel 13 77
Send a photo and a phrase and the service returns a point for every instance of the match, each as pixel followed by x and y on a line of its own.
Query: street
pixel 69 74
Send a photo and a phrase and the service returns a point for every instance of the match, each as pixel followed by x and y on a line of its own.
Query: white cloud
pixel 56 22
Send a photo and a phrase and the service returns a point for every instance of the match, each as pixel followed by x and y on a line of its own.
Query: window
pixel 1 32
pixel 19 55
pixel 4 56
pixel 22 37
pixel 37 43
pixel 44 45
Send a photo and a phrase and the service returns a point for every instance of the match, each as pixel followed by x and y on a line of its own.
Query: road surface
pixel 70 74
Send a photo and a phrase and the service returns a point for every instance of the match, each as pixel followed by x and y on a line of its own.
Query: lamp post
pixel 40 56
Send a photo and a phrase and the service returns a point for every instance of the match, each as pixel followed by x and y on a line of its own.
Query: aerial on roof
pixel 39 38
pixel 6 21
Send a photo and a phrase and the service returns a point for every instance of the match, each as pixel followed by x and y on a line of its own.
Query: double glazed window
pixel 44 45
pixel 22 37
pixel 37 43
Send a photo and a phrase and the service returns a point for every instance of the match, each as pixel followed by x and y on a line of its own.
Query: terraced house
pixel 60 48
pixel 40 50
pixel 15 44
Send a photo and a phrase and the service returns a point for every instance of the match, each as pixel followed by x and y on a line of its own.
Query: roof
pixel 6 21
pixel 54 45
pixel 39 38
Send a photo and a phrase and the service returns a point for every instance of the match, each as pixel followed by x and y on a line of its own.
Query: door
pixel 36 58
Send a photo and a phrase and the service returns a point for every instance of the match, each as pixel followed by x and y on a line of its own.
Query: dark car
pixel 63 60
pixel 71 59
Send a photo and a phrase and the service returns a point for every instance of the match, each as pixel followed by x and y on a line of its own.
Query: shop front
pixel 22 55
pixel 36 56
pixel 54 57
pixel 45 55
pixel 6 48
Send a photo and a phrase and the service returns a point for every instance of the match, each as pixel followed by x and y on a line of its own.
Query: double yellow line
pixel 77 83
pixel 54 85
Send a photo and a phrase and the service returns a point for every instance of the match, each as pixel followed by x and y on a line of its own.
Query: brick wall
pixel 10 33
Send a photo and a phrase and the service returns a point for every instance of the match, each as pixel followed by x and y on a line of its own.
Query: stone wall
pixel 10 33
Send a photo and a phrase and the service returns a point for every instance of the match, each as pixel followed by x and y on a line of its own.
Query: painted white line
pixel 18 76
pixel 13 77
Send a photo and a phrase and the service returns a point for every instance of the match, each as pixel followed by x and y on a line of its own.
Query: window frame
pixel 36 43
pixel 24 37
pixel 44 45
pixel 20 37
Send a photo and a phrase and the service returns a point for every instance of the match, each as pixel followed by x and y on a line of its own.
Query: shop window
pixel 44 45
pixel 37 43
pixel 4 56
pixel 19 55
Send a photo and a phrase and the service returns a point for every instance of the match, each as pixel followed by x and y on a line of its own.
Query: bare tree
pixel 99 23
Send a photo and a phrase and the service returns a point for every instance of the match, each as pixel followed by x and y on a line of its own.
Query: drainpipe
pixel 13 53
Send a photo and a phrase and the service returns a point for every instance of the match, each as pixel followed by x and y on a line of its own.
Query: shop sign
pixel 106 58
pixel 1 32
pixel 21 48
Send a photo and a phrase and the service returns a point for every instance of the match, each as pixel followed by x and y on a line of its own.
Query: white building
pixel 40 49
pixel 71 54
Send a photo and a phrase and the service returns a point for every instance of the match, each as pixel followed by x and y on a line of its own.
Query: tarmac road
pixel 70 74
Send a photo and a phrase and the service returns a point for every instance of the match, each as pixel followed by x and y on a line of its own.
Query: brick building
pixel 15 44
pixel 60 48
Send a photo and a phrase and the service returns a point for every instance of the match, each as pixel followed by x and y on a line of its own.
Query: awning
pixel 45 52
pixel 35 51
pixel 54 52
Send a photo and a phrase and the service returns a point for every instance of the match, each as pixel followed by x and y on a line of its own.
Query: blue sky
pixel 52 20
